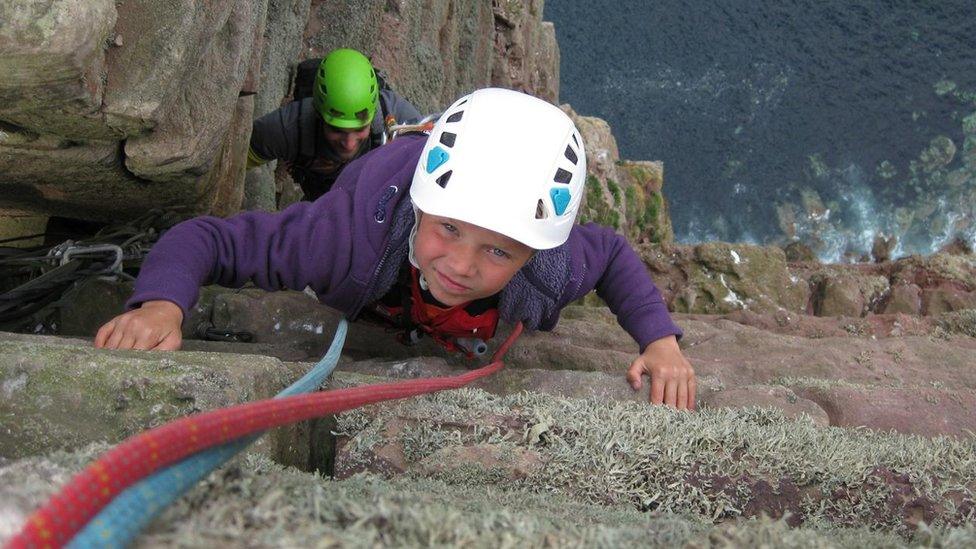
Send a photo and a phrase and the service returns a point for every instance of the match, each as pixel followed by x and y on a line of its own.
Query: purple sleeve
pixel 620 278
pixel 306 244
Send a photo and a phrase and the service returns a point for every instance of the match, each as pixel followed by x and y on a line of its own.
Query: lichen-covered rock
pixel 718 278
pixel 728 463
pixel 647 218
pixel 257 502
pixel 766 396
pixel 58 396
pixel 936 269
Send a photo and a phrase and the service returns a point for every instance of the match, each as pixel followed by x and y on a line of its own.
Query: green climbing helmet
pixel 346 90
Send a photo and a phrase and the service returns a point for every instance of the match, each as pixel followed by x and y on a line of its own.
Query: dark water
pixel 754 104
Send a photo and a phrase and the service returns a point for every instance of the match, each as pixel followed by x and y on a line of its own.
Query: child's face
pixel 463 262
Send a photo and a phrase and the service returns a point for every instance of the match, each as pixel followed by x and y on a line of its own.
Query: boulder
pixel 162 125
pixel 946 299
pixel 62 395
pixel 717 278
pixel 924 411
pixel 53 62
pixel 846 293
pixel 904 298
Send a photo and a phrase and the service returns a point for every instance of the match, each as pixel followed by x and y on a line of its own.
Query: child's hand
pixel 672 377
pixel 153 326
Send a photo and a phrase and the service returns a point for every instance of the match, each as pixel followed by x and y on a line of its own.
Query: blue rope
pixel 132 510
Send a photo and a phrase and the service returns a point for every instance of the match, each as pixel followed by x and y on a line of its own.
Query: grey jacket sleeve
pixel 275 135
pixel 400 108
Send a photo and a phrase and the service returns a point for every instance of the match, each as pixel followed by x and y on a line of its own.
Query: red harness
pixel 454 328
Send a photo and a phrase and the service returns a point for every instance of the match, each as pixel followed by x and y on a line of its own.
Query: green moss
pixel 614 191
pixel 597 209
pixel 651 217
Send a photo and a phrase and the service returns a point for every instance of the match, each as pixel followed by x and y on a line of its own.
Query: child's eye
pixel 498 252
pixel 449 228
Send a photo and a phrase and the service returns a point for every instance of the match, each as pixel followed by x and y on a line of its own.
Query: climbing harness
pixel 456 328
pixel 394 130
pixel 67 512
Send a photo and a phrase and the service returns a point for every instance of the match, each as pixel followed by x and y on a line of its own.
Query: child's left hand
pixel 672 377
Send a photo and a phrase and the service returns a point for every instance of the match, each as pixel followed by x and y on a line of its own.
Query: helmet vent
pixel 447 138
pixel 571 155
pixel 563 176
pixel 575 140
pixel 540 210
pixel 456 117
pixel 442 180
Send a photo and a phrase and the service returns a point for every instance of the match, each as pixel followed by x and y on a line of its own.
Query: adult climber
pixel 344 118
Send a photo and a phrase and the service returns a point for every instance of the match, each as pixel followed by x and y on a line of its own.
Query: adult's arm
pixel 400 108
pixel 275 136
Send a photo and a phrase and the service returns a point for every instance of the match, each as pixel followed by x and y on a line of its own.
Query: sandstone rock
pixel 946 299
pixel 846 294
pixel 188 136
pixel 925 411
pixel 904 298
pixel 52 58
pixel 490 462
pixel 526 53
pixel 281 51
pixel 721 278
pixel 18 224
pixel 781 398
pixel 882 247
pixel 60 396
pixel 164 96
pixel 936 270
pixel 56 177
pixel 798 251
pixel 624 195
pixel 647 217
pixel 432 53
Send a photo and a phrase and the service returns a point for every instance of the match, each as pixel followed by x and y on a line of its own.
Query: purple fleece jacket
pixel 349 245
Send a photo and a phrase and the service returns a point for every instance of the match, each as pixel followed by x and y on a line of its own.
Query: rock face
pixel 718 278
pixel 138 101
pixel 61 395
pixel 625 195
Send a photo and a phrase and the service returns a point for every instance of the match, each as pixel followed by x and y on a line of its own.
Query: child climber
pixel 487 232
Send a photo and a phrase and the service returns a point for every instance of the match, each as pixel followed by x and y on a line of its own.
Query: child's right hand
pixel 155 325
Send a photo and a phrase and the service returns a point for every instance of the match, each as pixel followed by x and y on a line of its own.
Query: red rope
pixel 141 455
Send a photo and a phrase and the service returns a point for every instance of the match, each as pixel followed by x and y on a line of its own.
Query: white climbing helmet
pixel 507 162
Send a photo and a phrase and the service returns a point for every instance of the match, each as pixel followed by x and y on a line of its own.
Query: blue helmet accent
pixel 560 199
pixel 436 158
